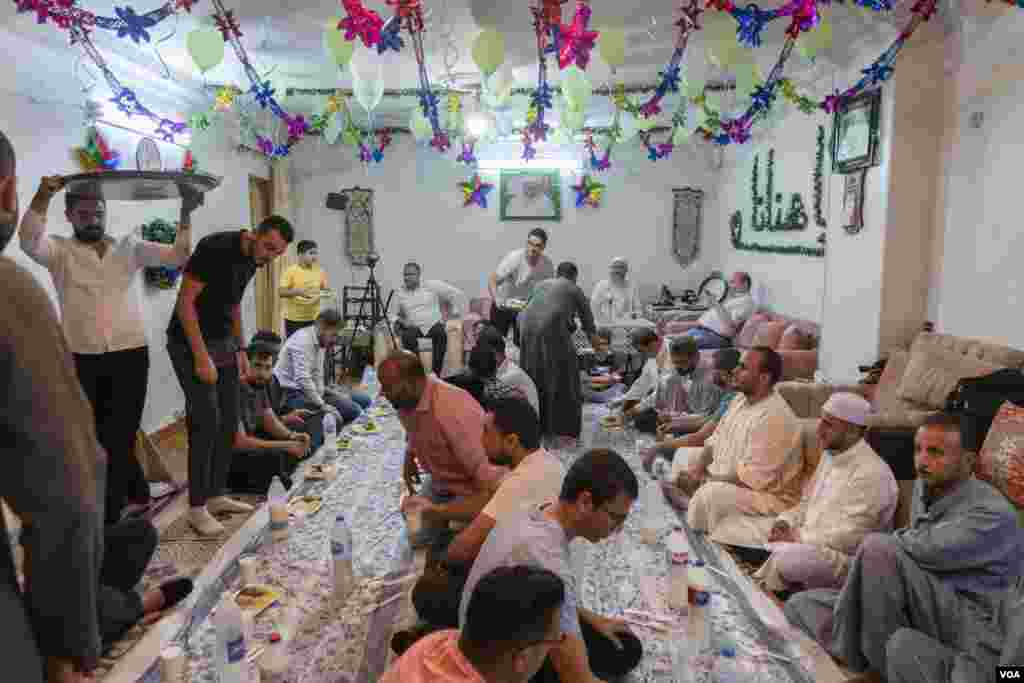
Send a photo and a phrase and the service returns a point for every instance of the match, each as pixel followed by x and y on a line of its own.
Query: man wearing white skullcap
pixel 853 493
pixel 615 298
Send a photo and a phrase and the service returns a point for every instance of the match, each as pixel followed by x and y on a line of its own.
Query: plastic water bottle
pixel 341 560
pixel 698 624
pixel 230 641
pixel 370 381
pixel 678 581
pixel 330 434
pixel 277 496
pixel 726 670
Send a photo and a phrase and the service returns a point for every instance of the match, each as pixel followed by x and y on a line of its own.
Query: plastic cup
pixel 172 664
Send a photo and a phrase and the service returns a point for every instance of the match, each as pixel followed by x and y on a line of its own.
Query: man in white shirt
pixel 511 438
pixel 512 283
pixel 419 312
pixel 95 277
pixel 717 327
pixel 645 341
pixel 300 371
pixel 615 298
pixel 669 398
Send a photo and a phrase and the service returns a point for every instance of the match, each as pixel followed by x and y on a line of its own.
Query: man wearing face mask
pixel 94 274
pixel 723 320
pixel 205 343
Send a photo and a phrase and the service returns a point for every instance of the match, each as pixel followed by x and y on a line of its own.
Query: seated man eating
pixel 853 493
pixel 941 577
pixel 300 371
pixel 445 427
pixel 717 327
pixel 752 464
pixel 604 385
pixel 669 398
pixel 511 438
pixel 263 447
pixel 511 625
pixel 596 497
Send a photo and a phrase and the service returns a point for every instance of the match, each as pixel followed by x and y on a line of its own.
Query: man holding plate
pixel 512 283
pixel 94 275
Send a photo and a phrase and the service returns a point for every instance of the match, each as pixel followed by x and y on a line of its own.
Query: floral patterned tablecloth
pixel 329 644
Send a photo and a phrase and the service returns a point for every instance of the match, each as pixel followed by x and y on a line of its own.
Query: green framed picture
pixel 855 132
pixel 531 195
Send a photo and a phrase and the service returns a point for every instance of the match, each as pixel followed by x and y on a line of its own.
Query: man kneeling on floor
pixel 512 623
pixel 853 493
pixel 937 580
pixel 595 500
pixel 263 447
pixel 511 438
pixel 752 464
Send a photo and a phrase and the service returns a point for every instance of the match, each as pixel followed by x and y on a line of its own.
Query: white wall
pixel 790 284
pixel 419 215
pixel 44 132
pixel 980 289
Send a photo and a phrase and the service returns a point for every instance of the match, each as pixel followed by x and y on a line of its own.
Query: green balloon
pixel 611 45
pixel 205 47
pixel 489 51
pixel 337 47
pixel 576 87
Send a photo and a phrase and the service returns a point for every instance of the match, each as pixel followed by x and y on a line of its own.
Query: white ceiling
pixel 285 37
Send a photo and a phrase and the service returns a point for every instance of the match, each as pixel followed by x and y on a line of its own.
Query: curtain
pixel 273 198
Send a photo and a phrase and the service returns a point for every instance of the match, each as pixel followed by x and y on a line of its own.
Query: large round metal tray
pixel 137 186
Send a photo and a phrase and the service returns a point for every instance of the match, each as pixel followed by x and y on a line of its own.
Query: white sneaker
pixel 204 523
pixel 223 504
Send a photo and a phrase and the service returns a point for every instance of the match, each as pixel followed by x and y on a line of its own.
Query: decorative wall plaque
pixel 687 218
pixel 359 225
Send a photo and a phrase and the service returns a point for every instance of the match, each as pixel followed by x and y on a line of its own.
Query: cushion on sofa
pixel 795 339
pixel 932 374
pixel 745 339
pixel 978 349
pixel 1001 461
pixel 770 333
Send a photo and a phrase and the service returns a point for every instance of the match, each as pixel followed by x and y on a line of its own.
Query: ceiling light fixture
pixel 560 164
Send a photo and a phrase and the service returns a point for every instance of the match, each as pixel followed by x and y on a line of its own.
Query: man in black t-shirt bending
pixel 204 340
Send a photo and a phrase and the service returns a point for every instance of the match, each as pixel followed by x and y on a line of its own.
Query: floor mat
pixel 181 552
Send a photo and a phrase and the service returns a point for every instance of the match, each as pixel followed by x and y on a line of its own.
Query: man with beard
pixel 204 340
pixel 264 446
pixel 419 312
pixel 95 275
pixel 939 579
pixel 444 425
pixel 511 439
pixel 615 298
pixel 716 328
pixel 513 281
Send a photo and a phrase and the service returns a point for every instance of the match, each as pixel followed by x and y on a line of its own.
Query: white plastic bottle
pixel 330 435
pixel 698 624
pixel 678 578
pixel 650 523
pixel 370 381
pixel 277 496
pixel 726 670
pixel 230 641
pixel 341 560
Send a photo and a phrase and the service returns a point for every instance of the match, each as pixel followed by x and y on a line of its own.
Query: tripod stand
pixel 369 294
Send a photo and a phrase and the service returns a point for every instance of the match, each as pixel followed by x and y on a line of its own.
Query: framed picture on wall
pixel 358 224
pixel 855 132
pixel 531 195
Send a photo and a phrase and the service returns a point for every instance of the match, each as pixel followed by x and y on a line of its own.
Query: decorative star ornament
pixel 263 93
pixel 475 191
pixel 588 192
pixel 576 39
pixel 390 36
pixel 133 25
pixel 227 24
pixel 361 23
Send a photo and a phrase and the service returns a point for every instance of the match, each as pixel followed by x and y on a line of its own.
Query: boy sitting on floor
pixel 264 447
pixel 602 380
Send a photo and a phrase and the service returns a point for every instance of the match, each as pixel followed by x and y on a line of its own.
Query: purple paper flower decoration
pixel 529 153
pixel 297 126
pixel 665 149
pixel 364 153
pixel 282 151
pixel 266 146
pixel 830 103
pixel 651 107
pixel 428 104
pixel 738 130
pixel 126 101
pixel 467 156
pixel 133 25
pixel 670 79
pixel 390 36
pixel 263 93
pixel 440 141
pixel 167 129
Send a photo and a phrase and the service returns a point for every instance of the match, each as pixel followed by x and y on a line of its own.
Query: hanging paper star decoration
pixel 96 155
pixel 475 191
pixel 361 23
pixel 225 98
pixel 576 39
pixel 588 192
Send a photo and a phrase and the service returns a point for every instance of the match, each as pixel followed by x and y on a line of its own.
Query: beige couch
pixel 916 381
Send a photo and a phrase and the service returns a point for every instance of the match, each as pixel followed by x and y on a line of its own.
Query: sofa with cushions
pixel 796 341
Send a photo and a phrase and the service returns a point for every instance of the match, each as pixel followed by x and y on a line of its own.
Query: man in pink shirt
pixel 444 425
pixel 508 649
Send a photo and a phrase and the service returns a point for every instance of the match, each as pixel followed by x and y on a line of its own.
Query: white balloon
pixel 628 124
